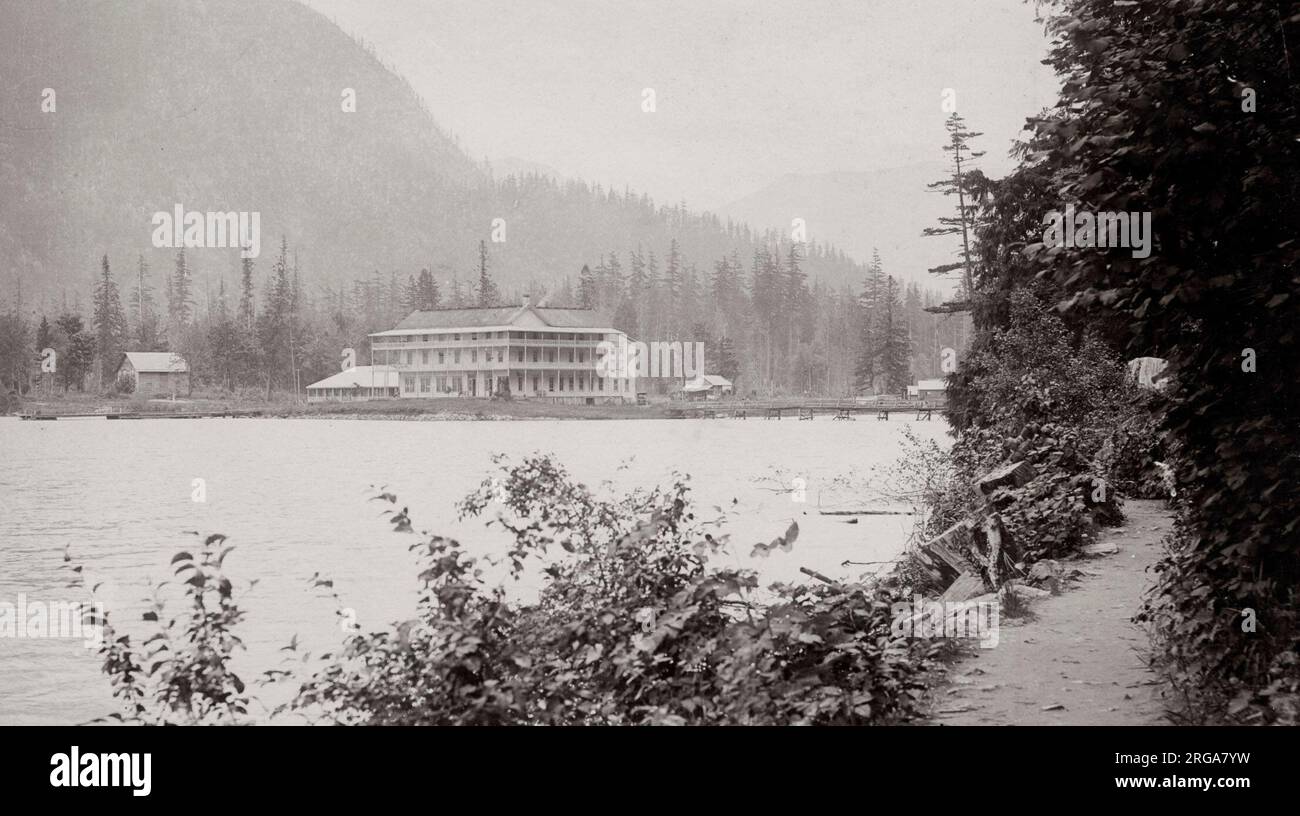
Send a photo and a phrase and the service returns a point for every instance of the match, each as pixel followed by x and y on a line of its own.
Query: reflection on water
pixel 291 495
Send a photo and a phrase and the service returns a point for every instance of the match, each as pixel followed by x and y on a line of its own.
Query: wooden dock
pixel 41 416
pixel 805 409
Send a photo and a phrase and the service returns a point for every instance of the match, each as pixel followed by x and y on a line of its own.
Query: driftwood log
pixel 976 555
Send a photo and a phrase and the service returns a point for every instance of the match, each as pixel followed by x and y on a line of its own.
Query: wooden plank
pixel 968 585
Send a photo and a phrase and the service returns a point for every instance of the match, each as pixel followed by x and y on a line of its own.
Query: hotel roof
pixel 528 317
pixel 153 362
pixel 360 377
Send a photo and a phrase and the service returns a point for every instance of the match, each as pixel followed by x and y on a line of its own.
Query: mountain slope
pixel 237 105
pixel 859 212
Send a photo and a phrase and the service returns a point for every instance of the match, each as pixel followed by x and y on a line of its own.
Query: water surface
pixel 291 495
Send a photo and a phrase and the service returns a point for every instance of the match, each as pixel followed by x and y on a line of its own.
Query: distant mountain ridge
pixel 238 105
pixel 860 212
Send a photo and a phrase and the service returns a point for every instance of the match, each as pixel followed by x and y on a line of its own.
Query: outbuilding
pixel 708 386
pixel 155 373
pixel 356 383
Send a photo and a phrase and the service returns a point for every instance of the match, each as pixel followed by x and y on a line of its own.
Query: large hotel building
pixel 527 351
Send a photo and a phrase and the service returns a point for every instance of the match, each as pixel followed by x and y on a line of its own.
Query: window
pixel 473 355
pixel 424 357
pixel 501 355
pixel 408 384
pixel 410 357
pixel 550 383
pixel 561 383
pixel 455 356
pixel 441 357
pixel 426 382
pixel 519 379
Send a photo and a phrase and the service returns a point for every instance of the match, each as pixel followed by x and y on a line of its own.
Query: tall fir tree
pixel 488 294
pixel 961 155
pixel 110 324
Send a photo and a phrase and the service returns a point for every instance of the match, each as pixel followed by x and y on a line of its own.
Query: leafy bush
pixel 181 674
pixel 124 384
pixel 633 625
pixel 1157 114
pixel 1034 390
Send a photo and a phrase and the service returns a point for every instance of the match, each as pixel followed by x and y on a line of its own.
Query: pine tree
pixel 143 311
pixel 76 350
pixel 962 155
pixel 611 290
pixel 426 291
pixel 871 338
pixel 247 304
pixel 587 295
pixel 671 292
pixel 181 304
pixel 488 295
pixel 223 341
pixel 273 329
pixel 896 349
pixel 456 293
pixel 110 324
pixel 409 295
pixel 727 364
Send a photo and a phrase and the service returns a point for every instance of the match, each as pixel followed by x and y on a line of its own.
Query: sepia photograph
pixel 614 362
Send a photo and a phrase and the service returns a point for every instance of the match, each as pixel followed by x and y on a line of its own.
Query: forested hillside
pixel 251 116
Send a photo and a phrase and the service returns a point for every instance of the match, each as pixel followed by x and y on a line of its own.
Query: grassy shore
pixel 404 409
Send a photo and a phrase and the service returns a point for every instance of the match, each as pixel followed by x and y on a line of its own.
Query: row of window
pixel 352 392
pixel 498 335
pixel 458 384
pixel 499 355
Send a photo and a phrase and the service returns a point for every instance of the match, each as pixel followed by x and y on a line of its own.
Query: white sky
pixel 746 91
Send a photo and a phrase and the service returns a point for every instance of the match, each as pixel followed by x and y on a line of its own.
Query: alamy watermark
pixel 1083 229
pixel 53 619
pixel 628 359
pixel 971 620
pixel 198 230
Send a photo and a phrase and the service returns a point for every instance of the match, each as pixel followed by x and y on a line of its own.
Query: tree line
pixel 764 324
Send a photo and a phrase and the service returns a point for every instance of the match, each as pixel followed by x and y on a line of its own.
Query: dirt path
pixel 1078 651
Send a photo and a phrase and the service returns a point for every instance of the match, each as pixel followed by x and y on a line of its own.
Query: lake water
pixel 292 497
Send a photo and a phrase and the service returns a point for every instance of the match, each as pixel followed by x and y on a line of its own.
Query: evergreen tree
pixel 587 295
pixel 456 294
pixel 957 184
pixel 896 350
pixel 110 324
pixel 247 300
pixel 223 342
pixel 488 295
pixel 426 291
pixel 144 311
pixel 181 302
pixel 727 364
pixel 76 350
pixel 273 324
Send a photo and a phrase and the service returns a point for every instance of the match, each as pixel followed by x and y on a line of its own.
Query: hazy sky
pixel 745 91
